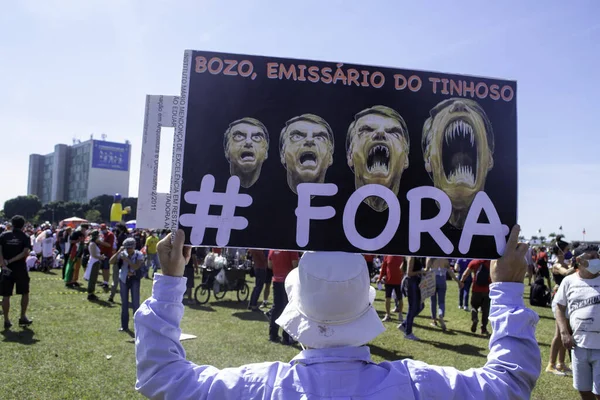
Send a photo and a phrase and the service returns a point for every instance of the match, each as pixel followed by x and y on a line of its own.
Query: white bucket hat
pixel 330 301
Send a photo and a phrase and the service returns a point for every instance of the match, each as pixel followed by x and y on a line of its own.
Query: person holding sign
pixel 246 144
pixel 306 149
pixel 331 314
pixel 377 148
pixel 458 147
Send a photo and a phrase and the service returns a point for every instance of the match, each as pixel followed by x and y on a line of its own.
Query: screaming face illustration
pixel 458 147
pixel 246 144
pixel 306 149
pixel 377 148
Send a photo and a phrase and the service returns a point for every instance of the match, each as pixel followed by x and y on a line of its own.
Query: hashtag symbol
pixel 224 223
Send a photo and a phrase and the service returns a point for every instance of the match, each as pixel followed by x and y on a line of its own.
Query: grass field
pixel 74 351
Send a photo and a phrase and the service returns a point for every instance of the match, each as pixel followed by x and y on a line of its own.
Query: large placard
pixel 308 155
pixel 110 155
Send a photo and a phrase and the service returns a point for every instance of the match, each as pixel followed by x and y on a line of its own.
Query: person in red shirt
pixel 391 269
pixel 107 249
pixel 369 259
pixel 542 266
pixel 281 262
pixel 480 296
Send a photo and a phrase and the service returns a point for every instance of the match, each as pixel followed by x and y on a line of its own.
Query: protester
pixel 331 314
pixel 129 278
pixel 460 267
pixel 77 248
pixel 14 249
pixel 151 254
pixel 188 273
pixel 107 248
pixel 391 270
pixel 416 269
pixel 542 265
pixel 47 243
pixel 32 261
pixel 480 297
pixel 560 270
pixel 441 268
pixel 267 289
pixel 96 260
pixel 259 258
pixel 121 231
pixel 282 263
pixel 577 311
pixel 369 259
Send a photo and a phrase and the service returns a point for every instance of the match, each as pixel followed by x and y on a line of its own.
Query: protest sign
pixel 153 208
pixel 307 155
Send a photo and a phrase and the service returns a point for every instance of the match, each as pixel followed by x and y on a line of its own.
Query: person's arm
pixel 560 299
pixel 103 243
pixel 115 257
pixel 514 361
pixel 563 327
pixel 453 276
pixel 559 269
pixel 466 274
pixel 22 255
pixel 134 265
pixel 162 369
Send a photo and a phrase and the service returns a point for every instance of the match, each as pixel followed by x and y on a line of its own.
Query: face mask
pixel 593 266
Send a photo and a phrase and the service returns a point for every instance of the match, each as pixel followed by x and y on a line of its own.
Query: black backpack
pixel 482 277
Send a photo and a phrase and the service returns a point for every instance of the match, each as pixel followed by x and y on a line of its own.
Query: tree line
pixel 97 210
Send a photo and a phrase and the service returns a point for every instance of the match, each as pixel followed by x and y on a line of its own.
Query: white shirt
pixel 511 371
pixel 582 299
pixel 48 247
pixel 37 246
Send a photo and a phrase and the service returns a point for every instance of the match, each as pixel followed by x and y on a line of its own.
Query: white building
pixel 80 172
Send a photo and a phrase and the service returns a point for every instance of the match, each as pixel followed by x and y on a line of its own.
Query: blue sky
pixel 72 68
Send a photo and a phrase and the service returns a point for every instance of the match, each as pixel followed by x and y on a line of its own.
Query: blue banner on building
pixel 109 155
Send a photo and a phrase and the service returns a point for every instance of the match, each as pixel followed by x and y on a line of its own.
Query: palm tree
pixel 552 235
pixel 543 239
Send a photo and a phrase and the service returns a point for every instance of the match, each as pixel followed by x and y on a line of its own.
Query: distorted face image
pixel 377 150
pixel 458 147
pixel 246 145
pixel 306 149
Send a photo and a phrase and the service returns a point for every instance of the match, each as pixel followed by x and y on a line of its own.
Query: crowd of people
pixel 131 254
pixel 123 258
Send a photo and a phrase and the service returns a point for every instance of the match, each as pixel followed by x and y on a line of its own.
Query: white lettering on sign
pixel 226 221
pixel 433 226
pixel 305 212
pixel 391 226
pixel 494 228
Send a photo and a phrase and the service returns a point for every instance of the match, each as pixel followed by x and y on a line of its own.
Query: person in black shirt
pixel 188 272
pixel 15 246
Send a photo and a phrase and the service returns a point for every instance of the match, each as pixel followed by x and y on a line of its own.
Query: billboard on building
pixel 110 155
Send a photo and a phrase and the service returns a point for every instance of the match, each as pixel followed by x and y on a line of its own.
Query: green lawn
pixel 74 351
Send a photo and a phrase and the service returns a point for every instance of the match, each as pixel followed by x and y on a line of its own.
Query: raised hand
pixel 511 267
pixel 173 256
